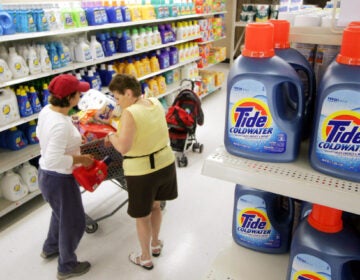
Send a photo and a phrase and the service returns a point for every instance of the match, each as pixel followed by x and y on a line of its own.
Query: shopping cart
pixel 98 149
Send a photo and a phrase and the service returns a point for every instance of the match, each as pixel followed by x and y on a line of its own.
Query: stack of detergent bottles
pixel 271 92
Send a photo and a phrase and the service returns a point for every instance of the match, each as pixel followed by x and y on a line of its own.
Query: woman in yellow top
pixel 149 163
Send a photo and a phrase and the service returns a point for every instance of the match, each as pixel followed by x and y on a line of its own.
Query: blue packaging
pixel 324 248
pixel 114 14
pixel 110 44
pixel 24 104
pixel 335 143
pixel 94 16
pixel 302 67
pixel 125 43
pixel 30 133
pixel 262 221
pixel 45 95
pixel 7 22
pixel 14 139
pixel 260 124
pixel 53 55
pixel 125 13
pixel 34 100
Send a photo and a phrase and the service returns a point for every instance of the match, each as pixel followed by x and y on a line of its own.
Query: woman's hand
pixel 87 160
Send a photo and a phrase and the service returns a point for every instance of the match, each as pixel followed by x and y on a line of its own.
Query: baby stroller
pixel 182 118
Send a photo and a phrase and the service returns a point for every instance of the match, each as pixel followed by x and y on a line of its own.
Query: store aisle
pixel 196 226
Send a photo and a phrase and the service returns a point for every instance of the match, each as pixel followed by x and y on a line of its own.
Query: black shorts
pixel 145 189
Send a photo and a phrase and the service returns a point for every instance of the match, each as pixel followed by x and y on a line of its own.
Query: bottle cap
pixel 350 46
pixel 325 219
pixel 259 40
pixel 354 23
pixel 281 33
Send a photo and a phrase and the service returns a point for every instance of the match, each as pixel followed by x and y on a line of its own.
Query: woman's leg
pixel 143 227
pixel 156 218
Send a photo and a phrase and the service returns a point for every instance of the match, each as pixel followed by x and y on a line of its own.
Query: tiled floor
pixel 196 226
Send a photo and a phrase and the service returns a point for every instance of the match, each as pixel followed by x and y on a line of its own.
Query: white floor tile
pixel 196 226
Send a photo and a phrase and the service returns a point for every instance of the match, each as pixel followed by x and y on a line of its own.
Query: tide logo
pixel 254 221
pixel 307 275
pixel 342 127
pixel 250 113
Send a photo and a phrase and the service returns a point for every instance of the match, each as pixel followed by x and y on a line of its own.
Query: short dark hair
pixel 61 102
pixel 122 82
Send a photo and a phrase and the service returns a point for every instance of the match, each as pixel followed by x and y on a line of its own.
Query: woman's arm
pixel 123 140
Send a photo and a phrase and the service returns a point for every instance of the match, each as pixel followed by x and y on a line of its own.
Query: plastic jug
pixel 114 14
pixel 29 175
pixel 139 67
pixel 146 64
pixel 262 220
pixel 45 61
pixel 17 64
pixel 54 56
pixel 15 139
pixel 154 63
pixel 302 68
pixel 45 95
pixel 125 43
pixel 324 248
pixel 9 105
pixel 161 84
pixel 34 100
pixel 260 125
pixel 90 178
pixel 335 142
pixel 25 108
pixel 136 40
pixel 79 16
pixel 12 186
pixel 7 23
pixel 82 51
pixel 130 68
pixel 30 132
pixel 92 80
pixel 96 48
pixel 5 73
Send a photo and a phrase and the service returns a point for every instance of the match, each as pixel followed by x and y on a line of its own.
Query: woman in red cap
pixel 60 151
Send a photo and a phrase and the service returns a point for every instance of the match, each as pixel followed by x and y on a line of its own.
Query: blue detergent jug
pixel 260 124
pixel 34 100
pixel 114 14
pixel 30 132
pixel 335 144
pixel 15 139
pixel 324 248
pixel 45 95
pixel 24 104
pixel 302 67
pixel 262 221
pixel 7 23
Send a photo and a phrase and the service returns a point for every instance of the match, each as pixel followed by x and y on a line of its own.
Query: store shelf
pixel 6 206
pixel 78 65
pixel 11 159
pixel 315 35
pixel 296 179
pixel 61 32
pixel 211 41
pixel 236 262
pixel 19 122
pixel 210 65
pixel 168 69
pixel 210 92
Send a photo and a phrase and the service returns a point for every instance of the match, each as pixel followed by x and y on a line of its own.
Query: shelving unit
pixel 296 179
pixel 15 158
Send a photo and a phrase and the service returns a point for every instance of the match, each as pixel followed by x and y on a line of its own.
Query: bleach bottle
pixel 262 221
pixel 29 175
pixel 302 67
pixel 323 248
pixel 260 125
pixel 12 186
pixel 335 147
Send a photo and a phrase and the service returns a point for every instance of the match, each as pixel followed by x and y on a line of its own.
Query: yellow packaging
pixel 147 12
pixel 130 69
pixel 139 68
pixel 219 78
pixel 154 87
pixel 161 84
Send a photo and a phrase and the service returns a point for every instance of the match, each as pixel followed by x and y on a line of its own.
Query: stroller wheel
pixel 91 228
pixel 182 162
pixel 201 148
pixel 197 147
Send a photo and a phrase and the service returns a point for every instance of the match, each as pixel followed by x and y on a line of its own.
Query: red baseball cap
pixel 65 84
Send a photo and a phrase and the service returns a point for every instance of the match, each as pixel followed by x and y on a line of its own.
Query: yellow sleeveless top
pixel 151 136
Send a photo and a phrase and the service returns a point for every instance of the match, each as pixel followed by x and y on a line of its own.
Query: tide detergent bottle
pixel 323 247
pixel 302 67
pixel 259 123
pixel 262 221
pixel 335 144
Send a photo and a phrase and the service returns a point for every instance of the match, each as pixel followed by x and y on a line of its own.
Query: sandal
pixel 156 250
pixel 135 258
